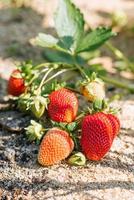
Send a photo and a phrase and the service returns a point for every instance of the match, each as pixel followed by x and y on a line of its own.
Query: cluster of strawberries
pixel 98 129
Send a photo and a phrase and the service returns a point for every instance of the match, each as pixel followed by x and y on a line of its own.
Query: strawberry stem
pixel 53 65
pixel 77 67
pixel 118 83
pixel 80 117
pixel 42 82
pixel 43 65
pixel 120 55
pixel 58 73
pixel 81 71
pixel 74 90
pixel 80 68
pixel 35 76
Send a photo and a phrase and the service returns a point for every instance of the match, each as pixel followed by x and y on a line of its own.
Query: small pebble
pixel 10 154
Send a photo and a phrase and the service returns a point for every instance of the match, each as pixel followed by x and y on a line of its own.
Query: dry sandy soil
pixel 21 178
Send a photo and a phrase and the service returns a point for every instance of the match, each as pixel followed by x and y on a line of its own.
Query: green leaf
pixel 66 42
pixel 95 39
pixel 62 57
pixel 45 40
pixel 69 24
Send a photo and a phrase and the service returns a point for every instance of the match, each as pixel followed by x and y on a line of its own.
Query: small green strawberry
pixel 38 106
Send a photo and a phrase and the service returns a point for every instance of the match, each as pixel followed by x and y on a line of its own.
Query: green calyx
pixel 69 127
pixel 34 131
pixel 23 102
pixel 77 159
pixel 100 105
pixel 92 78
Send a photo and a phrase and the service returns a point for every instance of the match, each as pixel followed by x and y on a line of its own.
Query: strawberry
pixel 16 84
pixel 97 135
pixel 93 90
pixel 55 147
pixel 63 105
pixel 115 124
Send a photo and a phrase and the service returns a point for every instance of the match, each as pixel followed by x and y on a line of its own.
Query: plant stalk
pixel 117 83
pixel 73 90
pixel 54 65
pixel 120 55
pixel 57 74
pixel 43 65
pixel 82 72
pixel 42 82
pixel 35 76
pixel 79 68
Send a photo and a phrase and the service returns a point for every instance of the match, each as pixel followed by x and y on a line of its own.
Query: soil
pixel 21 177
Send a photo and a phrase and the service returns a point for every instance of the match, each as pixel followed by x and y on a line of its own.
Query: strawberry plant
pixel 53 102
pixel 72 40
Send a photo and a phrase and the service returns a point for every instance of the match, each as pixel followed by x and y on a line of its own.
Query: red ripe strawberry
pixel 16 85
pixel 115 124
pixel 97 135
pixel 63 105
pixel 55 147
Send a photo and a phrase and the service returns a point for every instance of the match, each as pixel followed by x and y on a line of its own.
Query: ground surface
pixel 22 178
pixel 20 175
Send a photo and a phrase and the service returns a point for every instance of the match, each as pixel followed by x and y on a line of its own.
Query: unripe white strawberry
pixel 93 90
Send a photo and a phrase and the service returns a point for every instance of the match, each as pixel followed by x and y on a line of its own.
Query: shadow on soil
pixel 118 164
pixel 28 152
pixel 3 88
pixel 68 188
